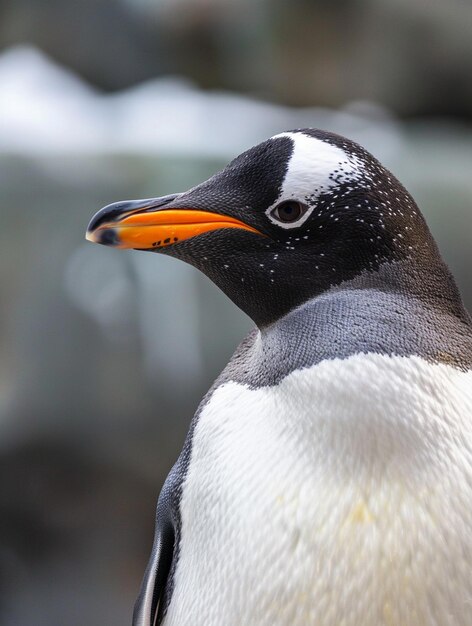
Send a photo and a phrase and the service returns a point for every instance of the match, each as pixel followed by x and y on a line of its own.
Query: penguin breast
pixel 342 495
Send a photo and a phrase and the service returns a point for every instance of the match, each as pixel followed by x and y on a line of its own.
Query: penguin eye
pixel 288 211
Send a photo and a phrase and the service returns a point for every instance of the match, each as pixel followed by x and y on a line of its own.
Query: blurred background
pixel 104 354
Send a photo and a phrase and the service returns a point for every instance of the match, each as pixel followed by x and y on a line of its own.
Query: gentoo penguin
pixel 326 479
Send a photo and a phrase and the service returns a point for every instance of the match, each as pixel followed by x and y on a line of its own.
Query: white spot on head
pixel 315 168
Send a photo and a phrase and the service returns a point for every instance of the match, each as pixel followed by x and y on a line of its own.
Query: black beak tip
pixel 113 212
pixel 107 214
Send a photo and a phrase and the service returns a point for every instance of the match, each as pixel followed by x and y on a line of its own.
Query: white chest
pixel 340 497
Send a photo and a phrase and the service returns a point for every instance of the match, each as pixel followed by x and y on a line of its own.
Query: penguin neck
pixel 395 310
pixel 428 282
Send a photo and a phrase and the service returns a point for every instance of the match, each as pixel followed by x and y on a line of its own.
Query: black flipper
pixel 156 575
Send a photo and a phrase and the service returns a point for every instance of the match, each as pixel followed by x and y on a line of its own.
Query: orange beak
pixel 144 228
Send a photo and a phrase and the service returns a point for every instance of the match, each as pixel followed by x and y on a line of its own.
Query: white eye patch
pixel 315 168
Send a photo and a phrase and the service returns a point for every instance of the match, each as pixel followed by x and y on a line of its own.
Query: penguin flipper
pixel 157 571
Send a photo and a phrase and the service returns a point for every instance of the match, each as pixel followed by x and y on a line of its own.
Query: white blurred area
pixel 46 110
pixel 110 350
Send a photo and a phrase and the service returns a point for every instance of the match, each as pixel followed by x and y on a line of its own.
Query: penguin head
pixel 285 221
